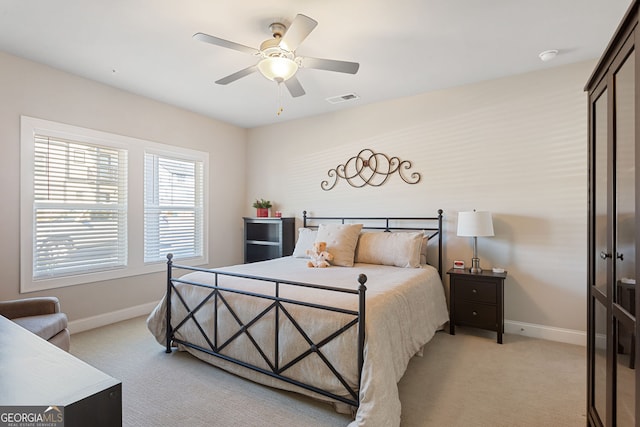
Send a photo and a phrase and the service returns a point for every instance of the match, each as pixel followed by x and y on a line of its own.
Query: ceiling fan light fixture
pixel 277 68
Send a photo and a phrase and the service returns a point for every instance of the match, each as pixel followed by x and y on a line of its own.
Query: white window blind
pixel 173 207
pixel 79 207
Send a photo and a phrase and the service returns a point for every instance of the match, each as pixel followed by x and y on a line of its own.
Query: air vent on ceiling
pixel 343 98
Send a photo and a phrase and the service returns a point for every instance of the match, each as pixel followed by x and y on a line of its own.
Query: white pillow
pixel 306 239
pixel 342 240
pixel 398 249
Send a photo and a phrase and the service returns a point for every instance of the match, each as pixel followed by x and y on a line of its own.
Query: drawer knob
pixel 475 313
pixel 475 291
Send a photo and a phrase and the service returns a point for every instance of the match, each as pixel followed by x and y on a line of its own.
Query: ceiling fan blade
pixel 299 29
pixel 225 43
pixel 237 75
pixel 294 87
pixel 330 65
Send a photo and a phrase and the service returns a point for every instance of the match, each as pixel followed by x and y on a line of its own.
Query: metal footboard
pixel 431 226
pixel 215 346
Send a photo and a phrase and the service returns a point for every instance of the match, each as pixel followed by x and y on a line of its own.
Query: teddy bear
pixel 319 255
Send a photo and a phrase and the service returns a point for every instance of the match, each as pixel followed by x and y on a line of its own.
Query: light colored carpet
pixel 462 380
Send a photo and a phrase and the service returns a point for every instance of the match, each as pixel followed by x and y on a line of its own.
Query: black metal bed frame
pixel 217 293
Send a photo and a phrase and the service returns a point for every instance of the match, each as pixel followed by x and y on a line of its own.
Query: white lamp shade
pixel 277 68
pixel 473 224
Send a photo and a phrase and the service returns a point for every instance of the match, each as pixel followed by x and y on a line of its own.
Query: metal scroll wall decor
pixel 370 168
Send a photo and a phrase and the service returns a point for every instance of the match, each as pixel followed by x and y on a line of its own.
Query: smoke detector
pixel 548 55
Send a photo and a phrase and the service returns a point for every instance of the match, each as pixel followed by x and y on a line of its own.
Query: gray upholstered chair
pixel 40 315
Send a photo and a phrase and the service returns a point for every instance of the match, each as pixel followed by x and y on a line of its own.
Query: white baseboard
pixel 93 322
pixel 551 333
pixel 532 330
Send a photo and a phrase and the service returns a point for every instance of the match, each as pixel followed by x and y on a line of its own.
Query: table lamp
pixel 475 224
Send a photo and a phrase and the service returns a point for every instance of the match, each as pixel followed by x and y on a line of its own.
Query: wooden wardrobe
pixel 613 385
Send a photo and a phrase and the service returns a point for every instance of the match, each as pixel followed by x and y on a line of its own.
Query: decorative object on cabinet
pixel 268 238
pixel 370 168
pixel 477 300
pixel 475 224
pixel 613 385
pixel 262 208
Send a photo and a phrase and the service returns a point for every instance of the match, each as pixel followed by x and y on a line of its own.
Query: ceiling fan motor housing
pixel 277 29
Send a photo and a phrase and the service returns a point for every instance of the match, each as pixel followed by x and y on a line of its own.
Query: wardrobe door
pixel 599 256
pixel 623 309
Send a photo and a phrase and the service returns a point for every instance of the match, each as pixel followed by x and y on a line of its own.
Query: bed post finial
pixel 362 279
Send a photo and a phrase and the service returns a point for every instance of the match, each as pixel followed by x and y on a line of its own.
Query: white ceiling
pixel 404 47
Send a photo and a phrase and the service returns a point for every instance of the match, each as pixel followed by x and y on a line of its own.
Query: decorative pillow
pixel 306 239
pixel 398 249
pixel 342 240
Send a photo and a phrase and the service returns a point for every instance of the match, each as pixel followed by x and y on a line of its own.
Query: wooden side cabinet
pixel 268 238
pixel 477 300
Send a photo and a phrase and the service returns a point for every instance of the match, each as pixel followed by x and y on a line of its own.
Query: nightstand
pixel 477 300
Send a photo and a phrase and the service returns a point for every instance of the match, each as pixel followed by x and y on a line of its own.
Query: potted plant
pixel 262 208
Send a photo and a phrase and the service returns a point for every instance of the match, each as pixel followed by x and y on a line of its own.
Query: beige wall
pixel 516 146
pixel 27 88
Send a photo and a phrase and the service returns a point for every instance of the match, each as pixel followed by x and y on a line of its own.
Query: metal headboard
pixel 431 225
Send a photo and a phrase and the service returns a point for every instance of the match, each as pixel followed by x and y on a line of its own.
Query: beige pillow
pixel 397 249
pixel 341 241
pixel 306 239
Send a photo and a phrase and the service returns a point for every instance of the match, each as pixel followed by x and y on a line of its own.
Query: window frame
pixel 190 158
pixel 135 265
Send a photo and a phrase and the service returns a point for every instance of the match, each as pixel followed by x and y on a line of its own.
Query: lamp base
pixel 475 265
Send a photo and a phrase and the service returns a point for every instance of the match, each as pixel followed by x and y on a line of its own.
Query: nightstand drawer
pixel 476 290
pixel 478 315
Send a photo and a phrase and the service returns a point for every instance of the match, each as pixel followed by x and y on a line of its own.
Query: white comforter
pixel 405 307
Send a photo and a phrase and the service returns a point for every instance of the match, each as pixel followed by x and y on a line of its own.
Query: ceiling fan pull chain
pixel 279 100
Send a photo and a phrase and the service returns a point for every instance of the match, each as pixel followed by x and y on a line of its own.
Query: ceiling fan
pixel 278 60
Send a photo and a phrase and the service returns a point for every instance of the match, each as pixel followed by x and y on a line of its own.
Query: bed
pixel 342 334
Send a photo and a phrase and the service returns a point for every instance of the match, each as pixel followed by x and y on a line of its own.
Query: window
pixel 97 206
pixel 79 208
pixel 172 207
